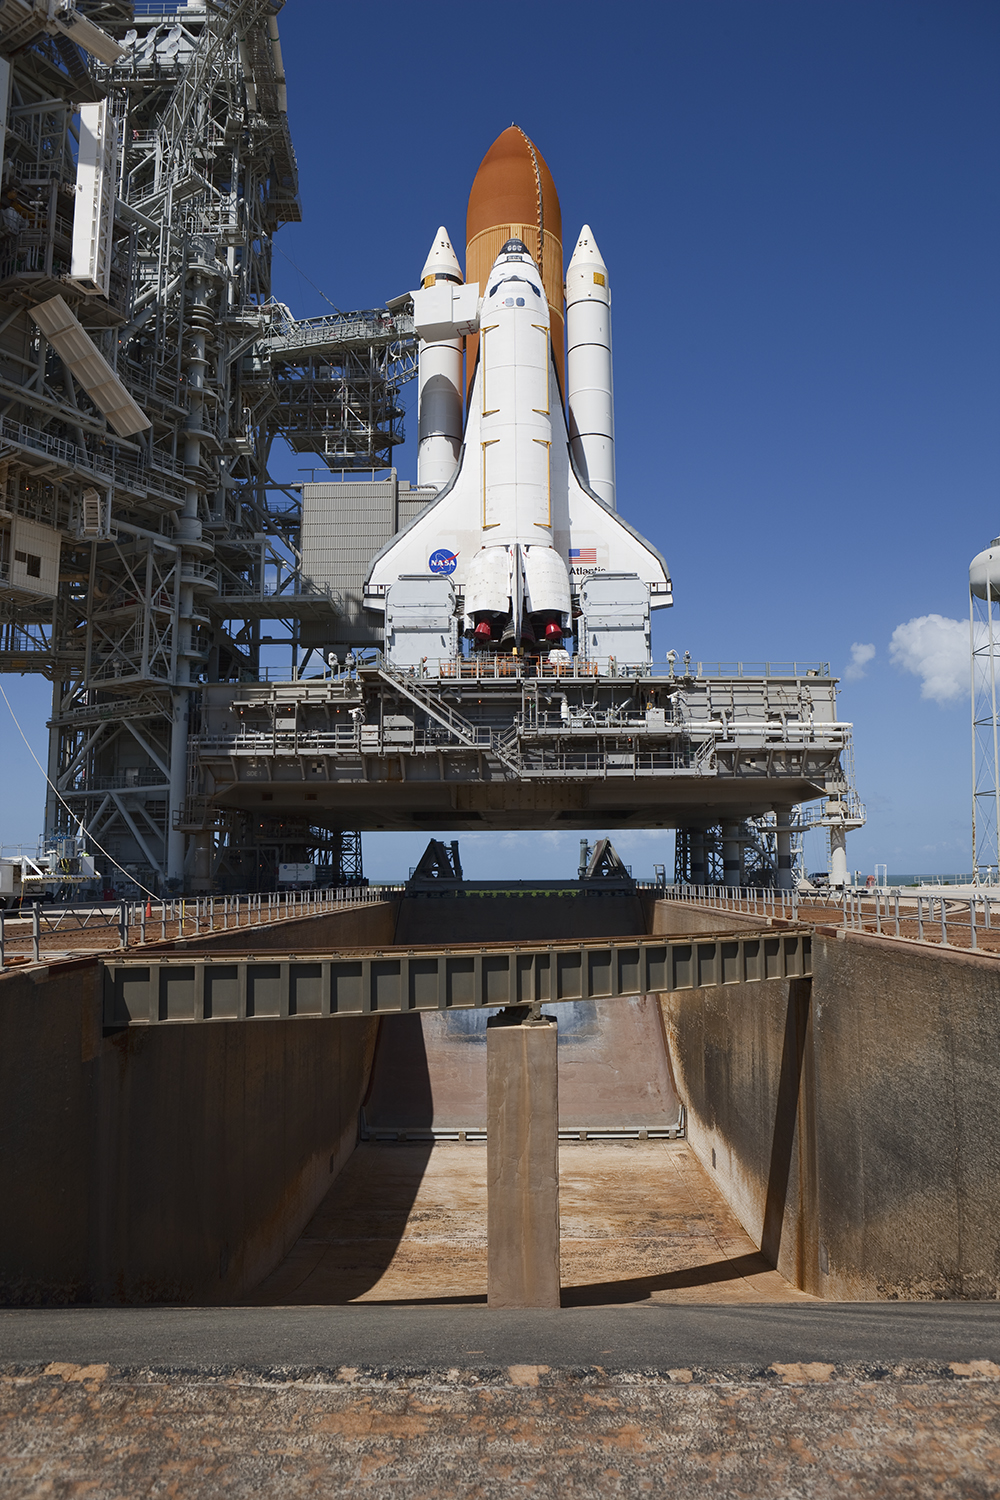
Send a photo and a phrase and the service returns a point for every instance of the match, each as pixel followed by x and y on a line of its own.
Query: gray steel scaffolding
pixel 157 554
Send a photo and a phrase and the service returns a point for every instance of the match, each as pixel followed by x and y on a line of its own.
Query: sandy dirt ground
pixel 815 1431
pixel 640 1221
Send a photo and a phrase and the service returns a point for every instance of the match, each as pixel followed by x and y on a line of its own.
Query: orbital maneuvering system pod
pixel 523 536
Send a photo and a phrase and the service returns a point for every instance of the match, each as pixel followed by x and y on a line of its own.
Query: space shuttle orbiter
pixel 525 510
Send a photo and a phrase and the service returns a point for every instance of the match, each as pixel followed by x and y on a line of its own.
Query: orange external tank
pixel 514 197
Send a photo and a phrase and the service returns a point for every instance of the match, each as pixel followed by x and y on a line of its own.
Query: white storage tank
pixel 984 572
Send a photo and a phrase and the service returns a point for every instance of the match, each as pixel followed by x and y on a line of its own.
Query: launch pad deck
pixel 509 743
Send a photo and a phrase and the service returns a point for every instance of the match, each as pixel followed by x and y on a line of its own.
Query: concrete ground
pixel 641 1222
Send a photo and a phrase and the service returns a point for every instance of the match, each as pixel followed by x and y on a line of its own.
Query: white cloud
pixel 860 657
pixel 936 650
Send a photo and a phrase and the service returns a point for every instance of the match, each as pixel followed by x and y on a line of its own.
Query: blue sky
pixel 798 204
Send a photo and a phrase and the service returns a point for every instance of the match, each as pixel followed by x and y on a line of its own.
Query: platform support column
pixel 696 844
pixel 731 851
pixel 202 874
pixel 522 1159
pixel 839 876
pixel 783 819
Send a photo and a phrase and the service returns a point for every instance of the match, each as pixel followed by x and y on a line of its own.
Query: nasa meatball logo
pixel 443 562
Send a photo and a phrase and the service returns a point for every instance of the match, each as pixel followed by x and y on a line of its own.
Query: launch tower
pixel 146 370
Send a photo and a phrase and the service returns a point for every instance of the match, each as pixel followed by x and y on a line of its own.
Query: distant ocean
pixel 930 879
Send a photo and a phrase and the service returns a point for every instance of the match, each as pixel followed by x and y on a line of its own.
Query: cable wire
pixel 77 820
pixel 309 279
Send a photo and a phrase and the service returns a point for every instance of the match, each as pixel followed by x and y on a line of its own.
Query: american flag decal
pixel 583 554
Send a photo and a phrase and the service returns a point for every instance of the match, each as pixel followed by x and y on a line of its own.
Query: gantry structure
pixel 145 373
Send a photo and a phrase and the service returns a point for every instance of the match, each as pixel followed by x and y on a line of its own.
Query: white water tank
pixel 984 572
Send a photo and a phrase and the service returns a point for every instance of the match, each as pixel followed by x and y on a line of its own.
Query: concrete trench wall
pixel 175 1164
pixel 504 918
pixel 350 927
pixel 852 1122
pixel 678 918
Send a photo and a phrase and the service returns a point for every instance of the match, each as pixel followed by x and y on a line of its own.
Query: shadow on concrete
pixel 355 1233
pixel 641 1288
pixel 785 1117
pixel 399 1092
pixel 525 918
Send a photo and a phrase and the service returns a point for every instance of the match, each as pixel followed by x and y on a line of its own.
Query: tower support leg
pixel 522 1160
pixel 176 846
pixel 201 882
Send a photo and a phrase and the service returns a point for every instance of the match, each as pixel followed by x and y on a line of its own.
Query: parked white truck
pixel 60 870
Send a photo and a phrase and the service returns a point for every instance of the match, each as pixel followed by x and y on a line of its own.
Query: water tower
pixel 984 634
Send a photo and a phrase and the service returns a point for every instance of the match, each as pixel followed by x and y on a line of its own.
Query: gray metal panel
pixel 344 525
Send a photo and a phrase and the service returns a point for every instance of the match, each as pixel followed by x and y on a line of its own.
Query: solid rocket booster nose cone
pixel 441 259
pixel 586 252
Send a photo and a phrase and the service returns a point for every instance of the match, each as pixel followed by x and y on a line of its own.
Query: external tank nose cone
pixel 514 186
pixel 514 197
pixel 442 262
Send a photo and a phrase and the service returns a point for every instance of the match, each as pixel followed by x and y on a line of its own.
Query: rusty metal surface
pixel 815 1430
pixel 146 990
pixel 429 1078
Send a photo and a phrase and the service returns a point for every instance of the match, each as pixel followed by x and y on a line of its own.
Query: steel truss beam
pixel 143 991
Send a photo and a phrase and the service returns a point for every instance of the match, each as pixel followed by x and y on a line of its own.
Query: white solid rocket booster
pixel 439 380
pixel 589 393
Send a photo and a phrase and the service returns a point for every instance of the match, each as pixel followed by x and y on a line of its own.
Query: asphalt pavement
pixel 648 1337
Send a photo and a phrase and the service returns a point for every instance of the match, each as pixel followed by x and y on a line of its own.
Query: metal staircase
pixel 457 726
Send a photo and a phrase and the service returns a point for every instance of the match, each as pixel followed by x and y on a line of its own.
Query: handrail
pixel 934 918
pixel 181 916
